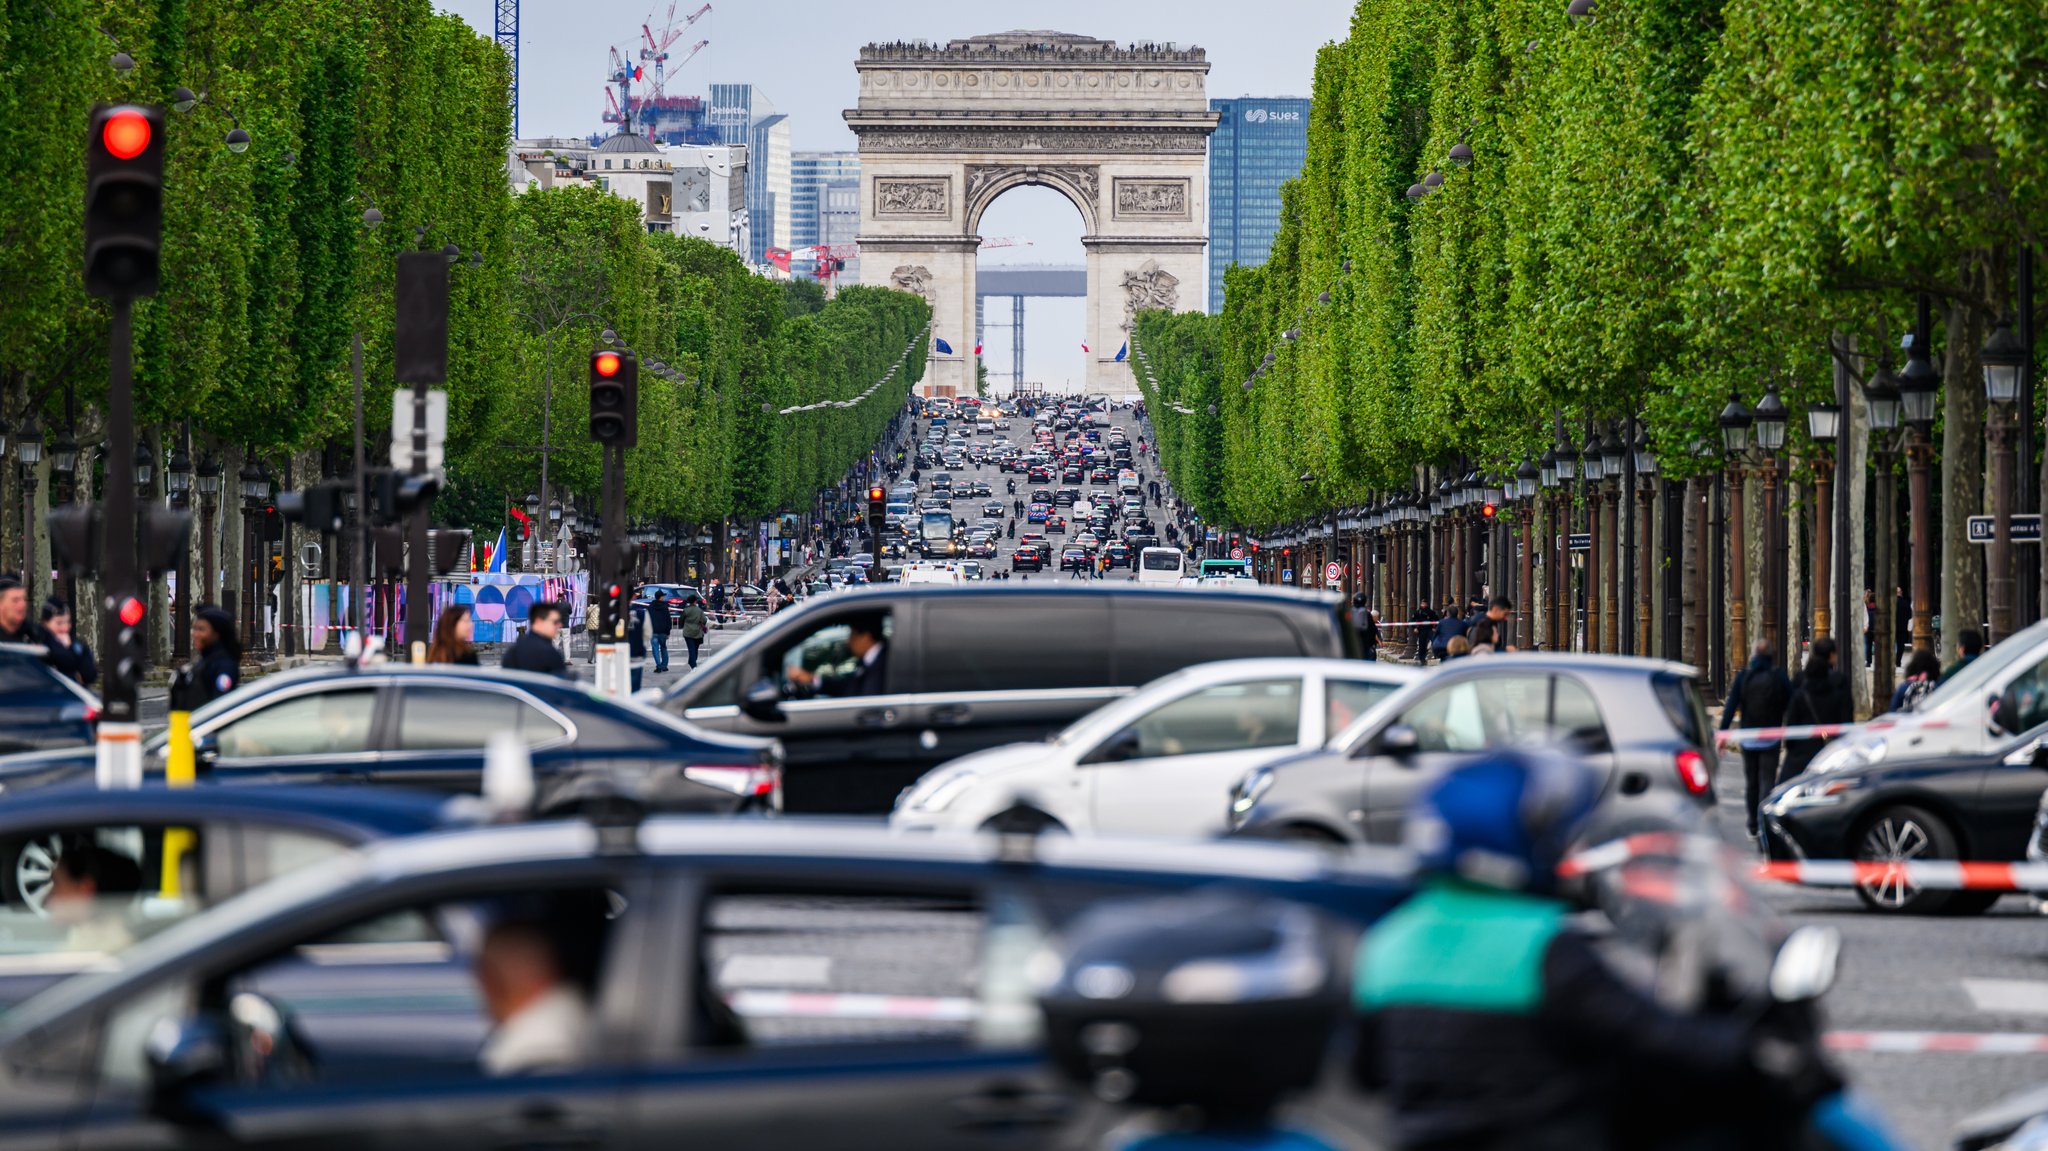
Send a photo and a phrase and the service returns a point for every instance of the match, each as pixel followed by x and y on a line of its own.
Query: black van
pixel 962 668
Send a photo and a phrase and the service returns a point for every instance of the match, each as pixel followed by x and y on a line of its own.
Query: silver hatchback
pixel 1639 721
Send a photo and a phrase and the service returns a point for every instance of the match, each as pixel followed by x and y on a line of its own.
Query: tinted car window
pixel 21 674
pixel 1680 697
pixel 1225 717
pixel 1014 643
pixel 1155 639
pixel 454 718
pixel 1577 718
pixel 318 723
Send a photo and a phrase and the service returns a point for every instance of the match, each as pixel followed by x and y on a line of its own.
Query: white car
pixel 1160 761
pixel 2002 693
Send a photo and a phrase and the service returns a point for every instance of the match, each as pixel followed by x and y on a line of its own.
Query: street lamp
pixel 1646 495
pixel 1823 425
pixel 255 487
pixel 1771 419
pixel 1919 387
pixel 2003 357
pixel 1735 422
pixel 28 448
pixel 207 481
pixel 64 454
pixel 145 467
pixel 178 481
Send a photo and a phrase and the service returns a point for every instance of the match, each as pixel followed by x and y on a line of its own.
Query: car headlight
pixel 938 798
pixel 1246 794
pixel 1851 752
pixel 1819 793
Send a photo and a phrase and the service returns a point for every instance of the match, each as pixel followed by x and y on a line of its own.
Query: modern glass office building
pixel 809 172
pixel 742 114
pixel 1259 145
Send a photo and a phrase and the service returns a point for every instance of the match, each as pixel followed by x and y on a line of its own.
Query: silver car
pixel 1639 721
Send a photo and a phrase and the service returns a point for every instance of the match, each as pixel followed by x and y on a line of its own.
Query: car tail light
pixel 759 781
pixel 1693 771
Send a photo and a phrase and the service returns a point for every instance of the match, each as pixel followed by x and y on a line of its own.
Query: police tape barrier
pixel 1938 1042
pixel 1929 875
pixel 1729 737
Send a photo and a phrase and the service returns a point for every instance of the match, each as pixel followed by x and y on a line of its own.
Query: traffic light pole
pixel 613 654
pixel 118 756
pixel 419 617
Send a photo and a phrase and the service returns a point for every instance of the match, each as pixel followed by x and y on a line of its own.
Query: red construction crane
pixel 654 48
pixel 830 259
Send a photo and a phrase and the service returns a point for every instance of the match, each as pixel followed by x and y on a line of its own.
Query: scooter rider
pixel 1488 1019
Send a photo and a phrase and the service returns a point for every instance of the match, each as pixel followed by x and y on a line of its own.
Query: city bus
pixel 1226 569
pixel 935 533
pixel 1162 565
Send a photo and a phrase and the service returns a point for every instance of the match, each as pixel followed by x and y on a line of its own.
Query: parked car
pixel 40 708
pixel 338 1006
pixel 1639 721
pixel 426 727
pixel 975 667
pixel 1160 761
pixel 1912 809
pixel 2002 692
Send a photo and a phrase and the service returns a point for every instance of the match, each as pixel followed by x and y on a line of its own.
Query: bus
pixel 1226 569
pixel 935 533
pixel 1162 565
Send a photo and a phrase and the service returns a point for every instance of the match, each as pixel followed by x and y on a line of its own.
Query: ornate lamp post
pixel 28 448
pixel 255 488
pixel 1567 616
pixel 178 481
pixel 1735 422
pixel 1612 460
pixel 1592 469
pixel 1823 425
pixel 207 482
pixel 2004 357
pixel 1881 400
pixel 1919 390
pixel 1771 418
pixel 1646 496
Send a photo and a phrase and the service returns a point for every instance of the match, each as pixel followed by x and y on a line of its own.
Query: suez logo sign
pixel 1272 116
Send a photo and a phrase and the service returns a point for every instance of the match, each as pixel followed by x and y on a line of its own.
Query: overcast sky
pixel 800 54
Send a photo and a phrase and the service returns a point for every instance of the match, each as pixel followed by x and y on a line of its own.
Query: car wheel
pixel 1904 834
pixel 1024 821
pixel 31 872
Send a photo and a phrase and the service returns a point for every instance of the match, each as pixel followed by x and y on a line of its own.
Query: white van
pixel 1162 565
pixel 2002 693
pixel 930 573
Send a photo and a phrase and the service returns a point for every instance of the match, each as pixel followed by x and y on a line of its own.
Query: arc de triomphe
pixel 1122 131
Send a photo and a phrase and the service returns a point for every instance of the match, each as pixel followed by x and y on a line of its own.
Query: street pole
pixel 1919 458
pixel 2001 578
pixel 1627 551
pixel 1701 495
pixel 1823 544
pixel 118 751
pixel 1884 645
pixel 360 545
pixel 1738 575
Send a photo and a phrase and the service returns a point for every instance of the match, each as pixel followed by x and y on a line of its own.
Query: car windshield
pixel 1964 684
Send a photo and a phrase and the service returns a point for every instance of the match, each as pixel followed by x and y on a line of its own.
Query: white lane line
pixel 2008 996
pixel 775 971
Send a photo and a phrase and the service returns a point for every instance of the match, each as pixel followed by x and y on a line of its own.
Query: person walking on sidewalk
pixel 694 625
pixel 1821 696
pixel 1759 696
pixel 659 624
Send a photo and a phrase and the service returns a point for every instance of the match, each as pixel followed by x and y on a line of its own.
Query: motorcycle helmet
pixel 1215 1000
pixel 1502 819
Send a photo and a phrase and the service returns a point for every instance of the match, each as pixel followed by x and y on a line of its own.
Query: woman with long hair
pixel 453 636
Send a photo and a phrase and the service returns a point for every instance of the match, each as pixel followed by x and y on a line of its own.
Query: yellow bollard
pixel 181 769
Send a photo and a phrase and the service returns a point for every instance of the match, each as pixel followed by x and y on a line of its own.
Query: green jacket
pixel 693 622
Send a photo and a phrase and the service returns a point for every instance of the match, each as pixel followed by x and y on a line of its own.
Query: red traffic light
pixel 876 494
pixel 125 134
pixel 1488 510
pixel 132 611
pixel 605 364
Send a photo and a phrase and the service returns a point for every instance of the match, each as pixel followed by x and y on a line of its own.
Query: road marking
pixel 775 971
pixel 2008 996
pixel 1946 1042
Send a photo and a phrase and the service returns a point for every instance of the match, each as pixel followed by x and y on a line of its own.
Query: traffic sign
pixel 1333 572
pixel 1286 575
pixel 2026 528
pixel 401 428
pixel 1582 541
pixel 1237 553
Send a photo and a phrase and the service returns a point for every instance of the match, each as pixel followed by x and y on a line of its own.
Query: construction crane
pixel 619 106
pixel 654 49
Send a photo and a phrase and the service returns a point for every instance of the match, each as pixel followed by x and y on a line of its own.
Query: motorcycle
pixel 1689 927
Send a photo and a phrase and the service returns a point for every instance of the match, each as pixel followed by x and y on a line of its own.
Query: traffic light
pixel 130 657
pixel 395 494
pixel 614 398
pixel 419 345
pixel 124 200
pixel 444 547
pixel 1488 510
pixel 75 539
pixel 318 508
pixel 165 536
pixel 615 601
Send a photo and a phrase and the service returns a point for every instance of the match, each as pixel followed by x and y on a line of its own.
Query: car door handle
pixel 878 717
pixel 1008 1105
pixel 952 714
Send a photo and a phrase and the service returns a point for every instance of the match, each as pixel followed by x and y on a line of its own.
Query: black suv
pixel 966 668
pixel 38 707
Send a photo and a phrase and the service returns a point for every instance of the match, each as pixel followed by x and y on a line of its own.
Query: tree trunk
pixel 1962 477
pixel 1852 485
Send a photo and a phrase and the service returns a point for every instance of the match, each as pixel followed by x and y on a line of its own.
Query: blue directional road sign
pixel 2026 529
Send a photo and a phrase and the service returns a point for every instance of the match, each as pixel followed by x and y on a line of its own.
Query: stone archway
pixel 1121 131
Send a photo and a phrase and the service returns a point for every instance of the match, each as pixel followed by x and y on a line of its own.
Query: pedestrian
pixel 1458 646
pixel 1488 1016
pixel 1422 615
pixel 1820 697
pixel 1367 622
pixel 695 627
pixel 659 624
pixel 1969 645
pixel 535 649
pixel 17 627
pixel 1482 637
pixel 1759 695
pixel 1902 620
pixel 216 667
pixel 1450 627
pixel 717 597
pixel 1869 621
pixel 774 599
pixel 58 625
pixel 1495 613
pixel 453 634
pixel 1923 672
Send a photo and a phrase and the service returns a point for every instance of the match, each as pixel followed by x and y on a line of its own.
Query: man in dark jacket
pixel 1495 613
pixel 1447 628
pixel 659 624
pixel 1759 697
pixel 1488 1019
pixel 17 627
pixel 1368 626
pixel 535 648
pixel 1969 645
pixel 1820 696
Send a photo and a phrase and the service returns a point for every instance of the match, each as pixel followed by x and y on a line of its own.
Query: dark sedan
pixel 1957 806
pixel 426 727
pixel 1028 557
pixel 339 1007
pixel 38 707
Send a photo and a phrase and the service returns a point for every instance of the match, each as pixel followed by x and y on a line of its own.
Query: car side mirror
pixel 1805 966
pixel 184 1053
pixel 1120 747
pixel 2038 757
pixel 1398 742
pixel 763 702
pixel 205 751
